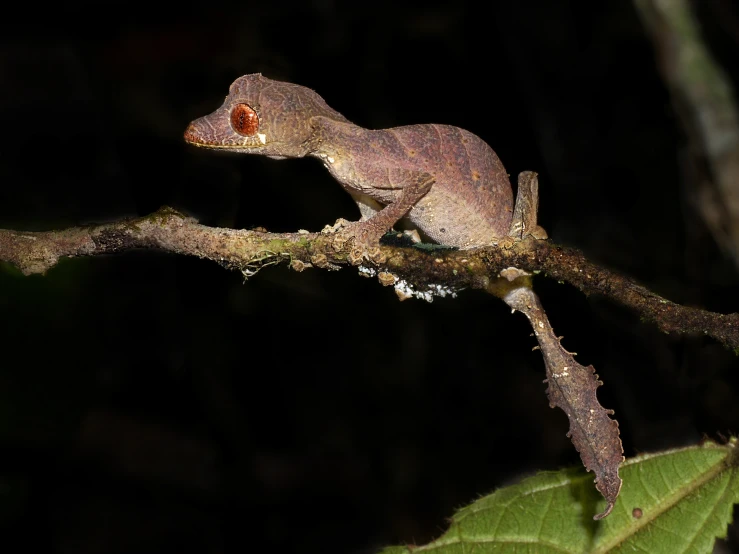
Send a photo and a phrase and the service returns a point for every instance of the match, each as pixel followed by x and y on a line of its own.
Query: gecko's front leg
pixel 366 233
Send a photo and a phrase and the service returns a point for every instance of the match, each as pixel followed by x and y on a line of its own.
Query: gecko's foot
pixel 362 237
pixel 505 242
pixel 340 224
pixel 358 256
pixel 517 234
pixel 536 232
pixel 539 233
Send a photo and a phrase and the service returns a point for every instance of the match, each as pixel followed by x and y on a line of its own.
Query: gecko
pixel 445 181
pixel 451 186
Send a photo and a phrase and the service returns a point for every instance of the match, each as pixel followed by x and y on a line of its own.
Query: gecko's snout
pixel 191 134
pixel 204 132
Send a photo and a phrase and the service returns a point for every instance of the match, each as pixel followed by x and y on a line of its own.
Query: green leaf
pixel 672 501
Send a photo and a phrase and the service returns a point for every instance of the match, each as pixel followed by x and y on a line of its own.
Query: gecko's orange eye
pixel 244 120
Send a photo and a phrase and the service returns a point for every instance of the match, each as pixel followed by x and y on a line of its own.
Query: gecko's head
pixel 262 116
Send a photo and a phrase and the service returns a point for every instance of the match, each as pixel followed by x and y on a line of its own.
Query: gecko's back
pixel 472 186
pixel 470 203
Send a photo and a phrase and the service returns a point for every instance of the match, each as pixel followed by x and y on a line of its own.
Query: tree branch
pixel 426 271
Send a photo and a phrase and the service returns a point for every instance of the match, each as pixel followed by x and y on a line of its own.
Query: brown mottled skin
pixel 451 186
pixel 445 180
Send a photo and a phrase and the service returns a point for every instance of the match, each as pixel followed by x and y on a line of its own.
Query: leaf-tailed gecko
pixel 446 181
pixel 450 185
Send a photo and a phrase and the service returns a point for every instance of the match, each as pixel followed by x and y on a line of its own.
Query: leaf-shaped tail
pixel 572 388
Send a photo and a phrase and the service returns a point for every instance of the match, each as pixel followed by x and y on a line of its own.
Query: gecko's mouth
pixel 202 136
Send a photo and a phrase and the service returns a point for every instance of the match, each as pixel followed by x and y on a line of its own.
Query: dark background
pixel 155 403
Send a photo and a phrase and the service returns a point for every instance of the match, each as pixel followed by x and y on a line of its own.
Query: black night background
pixel 157 403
